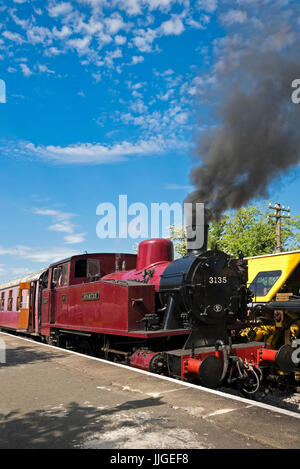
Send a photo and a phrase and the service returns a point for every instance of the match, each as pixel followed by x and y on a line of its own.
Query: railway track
pixel 287 398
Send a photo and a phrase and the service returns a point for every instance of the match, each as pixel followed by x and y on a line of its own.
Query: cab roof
pixel 89 255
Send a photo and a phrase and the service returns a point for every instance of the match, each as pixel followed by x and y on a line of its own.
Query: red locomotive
pixel 173 317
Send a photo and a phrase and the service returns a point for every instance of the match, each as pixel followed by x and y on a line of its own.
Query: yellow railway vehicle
pixel 274 280
pixel 271 274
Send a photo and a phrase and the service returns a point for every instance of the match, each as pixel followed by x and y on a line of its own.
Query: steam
pixel 258 135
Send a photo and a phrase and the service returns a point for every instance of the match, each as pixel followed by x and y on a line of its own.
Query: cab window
pixel 80 268
pixel 87 268
pixel 93 268
pixel 60 276
pixel 63 280
pixel 264 281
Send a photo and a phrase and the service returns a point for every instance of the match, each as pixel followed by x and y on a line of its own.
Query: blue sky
pixel 107 98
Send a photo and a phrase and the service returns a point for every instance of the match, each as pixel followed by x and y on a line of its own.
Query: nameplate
pixel 90 296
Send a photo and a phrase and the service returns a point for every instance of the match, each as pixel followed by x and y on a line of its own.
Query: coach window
pixel 24 299
pixel 10 301
pixel 2 301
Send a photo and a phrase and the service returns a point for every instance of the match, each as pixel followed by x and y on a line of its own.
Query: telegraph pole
pixel 278 215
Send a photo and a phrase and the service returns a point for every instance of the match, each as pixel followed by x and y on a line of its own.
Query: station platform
pixel 52 398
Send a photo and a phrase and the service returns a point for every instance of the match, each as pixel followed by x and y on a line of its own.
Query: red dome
pixel 154 250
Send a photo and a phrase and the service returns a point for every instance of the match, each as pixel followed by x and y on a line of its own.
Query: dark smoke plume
pixel 258 136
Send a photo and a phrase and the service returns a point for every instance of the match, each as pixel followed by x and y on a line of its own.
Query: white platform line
pixel 166 378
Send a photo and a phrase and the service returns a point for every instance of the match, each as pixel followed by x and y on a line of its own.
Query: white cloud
pixel 111 56
pixel 37 254
pixel 120 40
pixel 114 23
pixel 132 7
pixel 64 32
pixel 208 5
pixel 36 35
pixel 97 77
pixel 165 96
pixel 23 23
pixel 62 227
pixel 144 39
pixel 59 9
pixel 45 69
pixel 90 28
pixel 181 117
pixel 174 26
pixel 26 70
pixel 38 11
pixel 58 214
pixel 62 224
pixel 160 4
pixel 53 51
pixel 234 16
pixel 103 39
pixel 136 59
pixel 138 106
pixel 95 153
pixel 169 121
pixel 80 44
pixel 75 238
pixel 15 37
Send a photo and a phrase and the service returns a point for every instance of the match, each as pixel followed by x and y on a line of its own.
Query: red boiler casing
pixel 153 255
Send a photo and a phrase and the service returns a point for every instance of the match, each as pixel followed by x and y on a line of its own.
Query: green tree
pixel 178 236
pixel 248 230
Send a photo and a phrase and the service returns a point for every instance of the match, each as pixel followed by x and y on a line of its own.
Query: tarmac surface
pixel 50 398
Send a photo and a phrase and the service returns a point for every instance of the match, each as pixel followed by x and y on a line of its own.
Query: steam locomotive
pixel 178 318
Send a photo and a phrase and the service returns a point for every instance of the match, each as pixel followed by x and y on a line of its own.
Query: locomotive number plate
pixel 218 280
pixel 90 296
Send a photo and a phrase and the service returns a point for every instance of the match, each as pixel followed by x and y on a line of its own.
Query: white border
pixel 271 408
